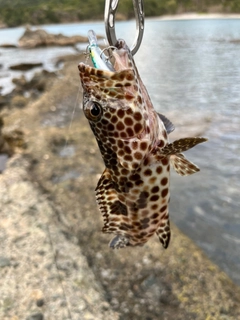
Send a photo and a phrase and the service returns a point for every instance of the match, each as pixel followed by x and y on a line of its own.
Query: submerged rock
pixel 8 45
pixel 25 66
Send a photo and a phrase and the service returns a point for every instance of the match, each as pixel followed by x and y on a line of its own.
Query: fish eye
pixel 93 111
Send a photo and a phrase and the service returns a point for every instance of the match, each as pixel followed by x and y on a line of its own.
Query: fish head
pixel 115 107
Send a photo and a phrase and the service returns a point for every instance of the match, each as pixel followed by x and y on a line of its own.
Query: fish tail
pixel 119 242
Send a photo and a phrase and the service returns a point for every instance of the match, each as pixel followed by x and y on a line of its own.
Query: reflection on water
pixel 191 67
pixel 196 67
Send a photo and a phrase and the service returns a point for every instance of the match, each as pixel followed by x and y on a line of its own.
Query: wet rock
pixel 40 80
pixel 4 101
pixel 39 38
pixel 25 66
pixel 22 81
pixel 36 316
pixel 4 146
pixel 19 101
pixel 27 90
pixel 14 137
pixel 8 45
pixel 40 302
pixel 9 139
pixel 4 262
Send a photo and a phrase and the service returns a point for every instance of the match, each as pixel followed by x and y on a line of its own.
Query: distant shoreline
pixel 182 16
pixel 197 16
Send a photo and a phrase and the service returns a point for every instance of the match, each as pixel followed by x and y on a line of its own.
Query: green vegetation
pixel 18 12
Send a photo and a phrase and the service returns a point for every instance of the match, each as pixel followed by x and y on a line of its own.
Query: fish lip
pixel 82 66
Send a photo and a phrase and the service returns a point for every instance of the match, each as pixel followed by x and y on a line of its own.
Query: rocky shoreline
pixel 32 38
pixel 49 218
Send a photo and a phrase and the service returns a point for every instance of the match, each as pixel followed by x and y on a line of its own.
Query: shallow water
pixel 193 67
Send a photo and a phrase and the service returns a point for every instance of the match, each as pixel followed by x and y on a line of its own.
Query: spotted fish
pixel 133 191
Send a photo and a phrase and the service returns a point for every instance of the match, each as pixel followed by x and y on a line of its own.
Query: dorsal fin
pixel 167 123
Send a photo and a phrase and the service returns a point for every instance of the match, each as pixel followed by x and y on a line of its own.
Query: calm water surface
pixel 193 67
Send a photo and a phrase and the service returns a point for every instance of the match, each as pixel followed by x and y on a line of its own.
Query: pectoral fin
pixel 183 166
pixel 181 145
pixel 167 123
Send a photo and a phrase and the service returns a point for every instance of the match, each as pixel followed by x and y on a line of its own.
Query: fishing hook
pixel 109 17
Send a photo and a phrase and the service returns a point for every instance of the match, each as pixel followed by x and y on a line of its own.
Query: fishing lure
pixel 99 59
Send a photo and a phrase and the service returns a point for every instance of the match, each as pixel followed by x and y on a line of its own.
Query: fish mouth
pixel 118 57
pixel 122 56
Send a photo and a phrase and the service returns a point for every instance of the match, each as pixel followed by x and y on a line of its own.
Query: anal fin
pixel 163 231
pixel 110 206
pixel 183 166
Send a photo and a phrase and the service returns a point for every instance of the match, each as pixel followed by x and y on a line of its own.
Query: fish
pixel 133 191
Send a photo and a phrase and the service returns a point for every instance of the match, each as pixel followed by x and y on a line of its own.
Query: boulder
pixel 40 38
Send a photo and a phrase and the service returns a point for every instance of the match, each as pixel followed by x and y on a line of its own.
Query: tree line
pixel 20 12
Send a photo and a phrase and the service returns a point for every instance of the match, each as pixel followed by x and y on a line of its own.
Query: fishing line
pixel 48 230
